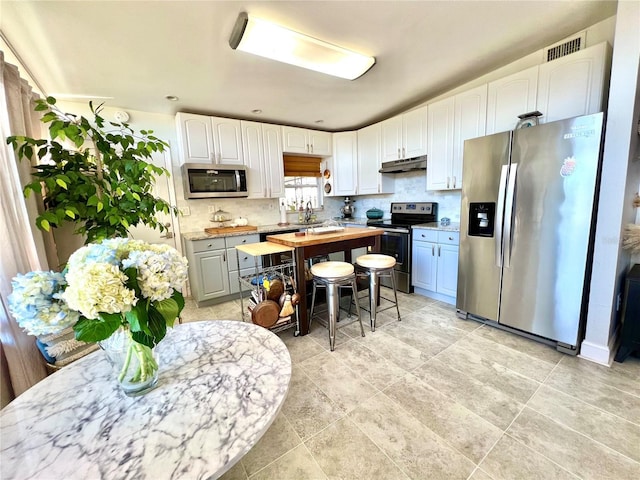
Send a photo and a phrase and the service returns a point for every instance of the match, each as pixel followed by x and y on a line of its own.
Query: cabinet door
pixel 391 139
pixel 345 154
pixel 469 122
pixel 414 133
pixel 227 135
pixel 195 138
pixel 424 267
pixel 273 164
pixel 447 276
pixel 320 143
pixel 295 140
pixel 509 97
pixel 252 146
pixel 573 85
pixel 369 179
pixel 212 275
pixel 440 144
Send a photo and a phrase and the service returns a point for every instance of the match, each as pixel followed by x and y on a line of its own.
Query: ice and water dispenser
pixel 482 217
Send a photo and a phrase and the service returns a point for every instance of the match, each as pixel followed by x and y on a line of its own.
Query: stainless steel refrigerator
pixel 526 227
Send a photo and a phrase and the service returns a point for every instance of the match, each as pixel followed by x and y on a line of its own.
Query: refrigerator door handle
pixel 500 214
pixel 508 214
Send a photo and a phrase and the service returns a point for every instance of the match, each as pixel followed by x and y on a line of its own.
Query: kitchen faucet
pixel 308 211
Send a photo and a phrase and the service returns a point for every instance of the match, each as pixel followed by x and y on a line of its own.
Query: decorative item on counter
pixel 374 214
pixel 347 209
pixel 241 221
pixel 444 221
pixel 220 217
pixel 283 214
pixel 123 293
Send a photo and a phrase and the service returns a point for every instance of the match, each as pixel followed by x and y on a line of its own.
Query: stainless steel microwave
pixel 210 180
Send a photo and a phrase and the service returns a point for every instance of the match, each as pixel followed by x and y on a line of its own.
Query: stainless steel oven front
pixel 396 242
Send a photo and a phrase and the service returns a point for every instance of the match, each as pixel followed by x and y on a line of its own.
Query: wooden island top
pixel 309 239
pixel 311 245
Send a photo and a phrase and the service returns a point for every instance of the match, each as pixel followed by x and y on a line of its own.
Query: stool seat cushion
pixel 375 260
pixel 332 269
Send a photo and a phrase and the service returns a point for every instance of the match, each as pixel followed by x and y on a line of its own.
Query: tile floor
pixel 437 397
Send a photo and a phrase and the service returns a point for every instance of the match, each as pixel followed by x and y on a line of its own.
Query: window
pixel 302 182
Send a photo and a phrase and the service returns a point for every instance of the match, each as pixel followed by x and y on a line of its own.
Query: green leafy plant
pixel 94 173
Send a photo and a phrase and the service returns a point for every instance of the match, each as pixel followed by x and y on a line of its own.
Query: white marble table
pixel 220 387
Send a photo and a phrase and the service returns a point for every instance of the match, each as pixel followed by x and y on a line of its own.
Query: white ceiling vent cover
pixel 566 47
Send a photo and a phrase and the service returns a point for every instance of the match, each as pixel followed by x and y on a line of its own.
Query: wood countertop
pixel 291 240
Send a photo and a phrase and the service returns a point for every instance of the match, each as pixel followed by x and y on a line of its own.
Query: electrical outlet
pixel 618 302
pixel 212 208
pixel 185 211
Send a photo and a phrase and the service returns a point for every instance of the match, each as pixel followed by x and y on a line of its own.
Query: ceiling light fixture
pixel 257 36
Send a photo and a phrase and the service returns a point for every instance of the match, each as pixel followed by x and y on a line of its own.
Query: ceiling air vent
pixel 566 47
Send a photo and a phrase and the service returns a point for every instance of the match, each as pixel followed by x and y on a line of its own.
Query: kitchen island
pixel 312 245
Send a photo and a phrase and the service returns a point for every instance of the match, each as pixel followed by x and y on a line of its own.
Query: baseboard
pixel 598 353
pixel 435 295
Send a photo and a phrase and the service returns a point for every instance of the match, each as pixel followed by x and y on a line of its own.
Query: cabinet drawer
pixel 242 240
pixel 246 260
pixel 207 244
pixel 425 235
pixel 449 238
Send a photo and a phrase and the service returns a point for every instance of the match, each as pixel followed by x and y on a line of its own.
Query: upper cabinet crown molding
pixel 204 139
pixel 405 135
pixel 305 141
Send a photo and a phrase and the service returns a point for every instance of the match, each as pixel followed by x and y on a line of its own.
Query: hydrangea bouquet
pixel 117 286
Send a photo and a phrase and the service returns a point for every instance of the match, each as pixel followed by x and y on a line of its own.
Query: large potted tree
pixel 94 173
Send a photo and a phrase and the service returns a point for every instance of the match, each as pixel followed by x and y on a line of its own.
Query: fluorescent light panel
pixel 257 36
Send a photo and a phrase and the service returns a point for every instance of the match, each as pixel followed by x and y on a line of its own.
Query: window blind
pixel 296 166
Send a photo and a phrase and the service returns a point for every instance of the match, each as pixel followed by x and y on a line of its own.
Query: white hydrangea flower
pixel 98 287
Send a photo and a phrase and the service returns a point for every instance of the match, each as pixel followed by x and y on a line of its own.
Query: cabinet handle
pixel 450 238
pixel 224 257
pixel 447 182
pixel 433 250
pixel 212 157
pixel 438 250
pixel 403 154
pixel 312 148
pixel 454 182
pixel 209 245
pixel 398 152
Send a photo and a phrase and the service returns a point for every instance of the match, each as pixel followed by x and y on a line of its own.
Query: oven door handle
pixel 394 230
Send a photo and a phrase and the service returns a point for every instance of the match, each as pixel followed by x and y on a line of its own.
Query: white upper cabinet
pixel 194 138
pixel 263 157
pixel 204 139
pixel 470 117
pixel 370 180
pixel 440 126
pixel 344 161
pixel 414 133
pixel 573 85
pixel 405 136
pixel 302 140
pixel 509 97
pixel 450 122
pixel 273 164
pixel 227 141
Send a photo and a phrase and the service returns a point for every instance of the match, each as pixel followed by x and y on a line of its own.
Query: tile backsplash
pixel 409 187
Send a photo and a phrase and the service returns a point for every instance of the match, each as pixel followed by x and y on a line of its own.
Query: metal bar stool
pixel 332 276
pixel 375 266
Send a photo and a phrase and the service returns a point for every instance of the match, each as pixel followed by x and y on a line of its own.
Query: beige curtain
pixel 22 248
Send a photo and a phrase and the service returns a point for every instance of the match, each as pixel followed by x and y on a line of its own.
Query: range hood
pixel 406 165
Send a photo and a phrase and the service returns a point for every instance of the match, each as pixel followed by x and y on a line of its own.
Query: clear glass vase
pixel 135 365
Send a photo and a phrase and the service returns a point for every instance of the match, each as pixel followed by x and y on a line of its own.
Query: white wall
pixel 619 183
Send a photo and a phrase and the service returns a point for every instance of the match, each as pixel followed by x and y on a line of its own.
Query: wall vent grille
pixel 566 47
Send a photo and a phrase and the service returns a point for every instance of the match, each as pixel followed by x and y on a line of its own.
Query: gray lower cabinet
pixel 213 267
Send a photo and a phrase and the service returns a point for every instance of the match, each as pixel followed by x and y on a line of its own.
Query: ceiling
pixel 139 52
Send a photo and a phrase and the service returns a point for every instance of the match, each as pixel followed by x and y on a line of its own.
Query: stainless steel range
pixel 396 239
